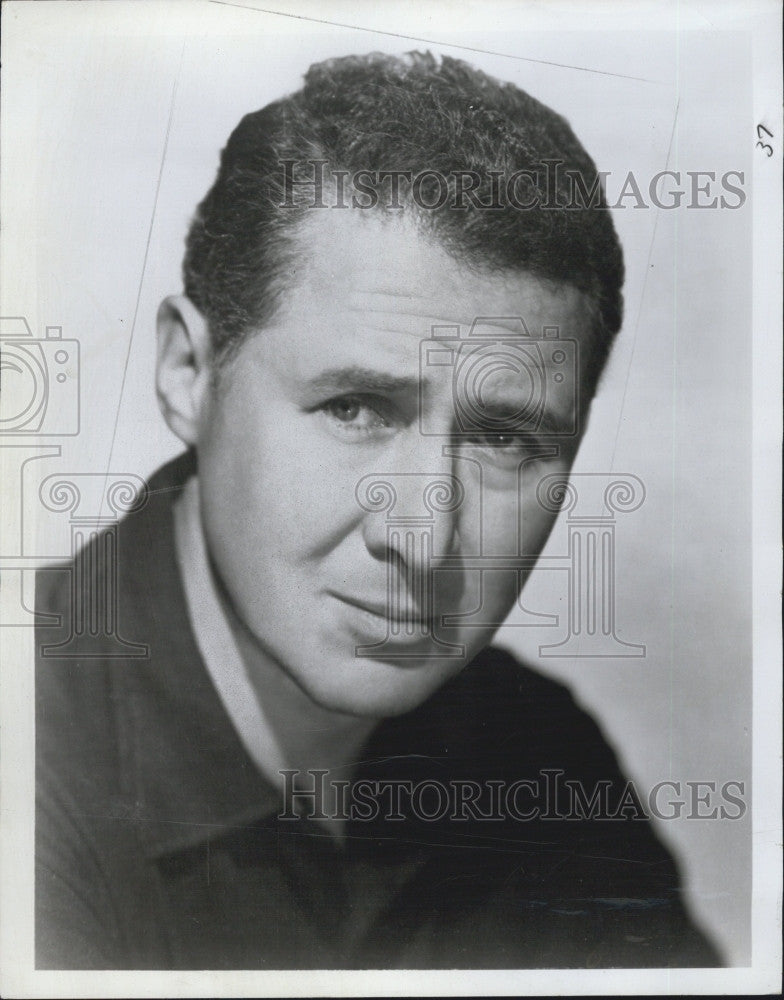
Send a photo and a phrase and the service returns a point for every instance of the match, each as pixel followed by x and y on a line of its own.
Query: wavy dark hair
pixel 410 113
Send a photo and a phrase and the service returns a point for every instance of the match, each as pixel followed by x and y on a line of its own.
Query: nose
pixel 411 525
pixel 412 517
pixel 414 514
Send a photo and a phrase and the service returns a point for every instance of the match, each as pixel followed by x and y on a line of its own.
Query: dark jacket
pixel 159 844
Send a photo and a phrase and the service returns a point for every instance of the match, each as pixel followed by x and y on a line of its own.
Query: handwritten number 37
pixel 764 145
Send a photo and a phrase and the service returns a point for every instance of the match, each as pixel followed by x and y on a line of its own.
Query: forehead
pixel 383 267
pixel 368 292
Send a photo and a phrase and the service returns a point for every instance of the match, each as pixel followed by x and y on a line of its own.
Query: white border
pixel 18 978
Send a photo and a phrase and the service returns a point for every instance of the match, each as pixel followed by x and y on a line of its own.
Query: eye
pixel 505 448
pixel 503 440
pixel 344 410
pixel 358 416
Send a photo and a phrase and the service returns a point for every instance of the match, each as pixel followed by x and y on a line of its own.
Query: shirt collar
pixel 215 639
pixel 189 773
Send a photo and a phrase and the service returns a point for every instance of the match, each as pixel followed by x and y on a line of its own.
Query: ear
pixel 183 370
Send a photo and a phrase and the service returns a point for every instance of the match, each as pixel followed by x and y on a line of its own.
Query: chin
pixel 376 689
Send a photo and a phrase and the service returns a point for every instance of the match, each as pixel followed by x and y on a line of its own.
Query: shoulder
pixel 496 680
pixel 102 616
pixel 100 621
pixel 522 715
pixel 572 843
pixel 120 570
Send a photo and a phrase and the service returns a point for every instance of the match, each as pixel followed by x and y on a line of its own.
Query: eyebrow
pixel 544 421
pixel 358 379
pixel 355 378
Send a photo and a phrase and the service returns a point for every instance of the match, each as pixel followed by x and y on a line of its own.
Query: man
pixel 394 319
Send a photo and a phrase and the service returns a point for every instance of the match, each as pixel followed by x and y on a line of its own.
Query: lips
pixel 408 625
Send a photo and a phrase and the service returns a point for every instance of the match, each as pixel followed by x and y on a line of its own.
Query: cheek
pixel 273 493
pixel 515 523
pixel 511 527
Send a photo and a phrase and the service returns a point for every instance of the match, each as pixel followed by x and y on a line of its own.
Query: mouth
pixel 402 621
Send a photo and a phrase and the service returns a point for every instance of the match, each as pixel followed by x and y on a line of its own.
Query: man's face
pixel 316 563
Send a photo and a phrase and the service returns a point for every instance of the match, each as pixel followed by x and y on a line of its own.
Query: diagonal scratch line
pixel 642 298
pixel 144 262
pixel 432 41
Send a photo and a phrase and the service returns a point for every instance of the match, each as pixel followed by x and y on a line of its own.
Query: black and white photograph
pixel 390 437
